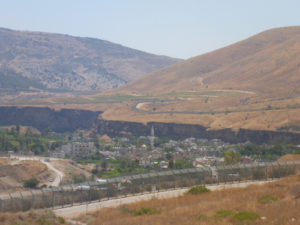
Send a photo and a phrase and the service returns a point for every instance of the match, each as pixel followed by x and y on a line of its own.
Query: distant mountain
pixel 35 60
pixel 267 62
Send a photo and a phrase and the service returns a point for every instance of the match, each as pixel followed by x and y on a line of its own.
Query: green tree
pixel 231 157
pixel 31 183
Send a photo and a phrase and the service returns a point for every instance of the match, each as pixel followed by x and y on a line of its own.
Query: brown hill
pixel 253 84
pixel 36 60
pixel 289 157
pixel 265 62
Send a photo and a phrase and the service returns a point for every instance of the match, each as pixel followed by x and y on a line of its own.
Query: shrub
pixel 267 199
pixel 145 211
pixel 61 220
pixel 224 213
pixel 126 210
pixel 245 216
pixel 31 183
pixel 202 217
pixel 198 190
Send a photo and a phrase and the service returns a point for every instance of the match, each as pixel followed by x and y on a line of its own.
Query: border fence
pixel 84 193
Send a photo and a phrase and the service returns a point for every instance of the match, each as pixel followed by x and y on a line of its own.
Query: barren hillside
pixel 253 84
pixel 265 62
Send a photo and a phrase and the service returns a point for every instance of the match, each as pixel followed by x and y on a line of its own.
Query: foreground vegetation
pixel 31 218
pixel 21 139
pixel 272 203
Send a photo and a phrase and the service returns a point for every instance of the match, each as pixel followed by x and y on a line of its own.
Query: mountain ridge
pixel 65 62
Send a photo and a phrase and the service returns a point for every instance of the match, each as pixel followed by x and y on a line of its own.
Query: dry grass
pixel 289 157
pixel 228 206
pixel 31 218
pixel 259 120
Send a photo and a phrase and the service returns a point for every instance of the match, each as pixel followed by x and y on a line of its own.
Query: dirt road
pixel 59 174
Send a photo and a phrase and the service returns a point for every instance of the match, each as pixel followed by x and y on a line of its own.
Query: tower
pixel 152 137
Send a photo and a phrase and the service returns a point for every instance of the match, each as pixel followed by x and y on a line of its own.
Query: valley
pixel 96 120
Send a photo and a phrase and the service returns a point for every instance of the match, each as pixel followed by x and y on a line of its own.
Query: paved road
pixel 74 211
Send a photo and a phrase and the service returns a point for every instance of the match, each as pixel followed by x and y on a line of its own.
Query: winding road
pixel 47 162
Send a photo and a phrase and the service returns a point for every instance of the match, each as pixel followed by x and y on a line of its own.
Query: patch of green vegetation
pixel 140 212
pixel 146 211
pixel 231 157
pixel 31 183
pixel 101 99
pixel 183 164
pixel 266 152
pixel 111 173
pixel 297 152
pixel 13 140
pixel 126 210
pixel 245 216
pixel 267 199
pixel 43 221
pixel 198 190
pixel 202 217
pixel 220 214
pixel 77 180
pixel 61 220
pixel 11 80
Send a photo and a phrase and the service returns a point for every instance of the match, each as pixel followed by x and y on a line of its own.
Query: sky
pixel 177 28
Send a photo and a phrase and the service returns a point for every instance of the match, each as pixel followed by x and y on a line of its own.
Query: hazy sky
pixel 178 28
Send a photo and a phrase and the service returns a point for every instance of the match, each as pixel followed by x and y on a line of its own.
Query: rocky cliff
pixel 178 131
pixel 65 120
pixel 69 120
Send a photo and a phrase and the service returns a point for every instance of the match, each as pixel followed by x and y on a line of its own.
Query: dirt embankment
pixel 13 173
pixel 289 158
pixel 72 170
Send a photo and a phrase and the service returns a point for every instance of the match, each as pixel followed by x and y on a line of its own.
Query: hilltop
pixel 31 61
pixel 265 62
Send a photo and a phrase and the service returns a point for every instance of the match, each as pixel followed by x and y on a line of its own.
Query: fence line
pixel 83 193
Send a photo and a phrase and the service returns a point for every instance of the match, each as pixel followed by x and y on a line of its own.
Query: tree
pixel 171 164
pixel 31 183
pixel 104 165
pixel 18 129
pixel 231 157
